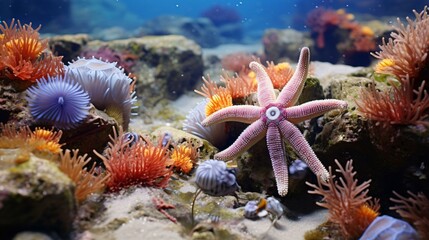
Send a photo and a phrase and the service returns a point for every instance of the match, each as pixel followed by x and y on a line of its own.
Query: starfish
pixel 275 118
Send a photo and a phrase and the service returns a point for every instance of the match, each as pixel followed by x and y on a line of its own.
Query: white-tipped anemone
pixel 215 134
pixel 107 85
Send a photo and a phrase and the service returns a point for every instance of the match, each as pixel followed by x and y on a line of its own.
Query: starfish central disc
pixel 272 113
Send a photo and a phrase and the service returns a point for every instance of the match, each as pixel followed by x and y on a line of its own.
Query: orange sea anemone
pixel 348 203
pixel 240 85
pixel 279 73
pixel 140 163
pixel 184 157
pixel 218 101
pixel 23 56
pixel 40 140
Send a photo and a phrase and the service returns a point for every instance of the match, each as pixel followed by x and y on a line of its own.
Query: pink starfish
pixel 275 119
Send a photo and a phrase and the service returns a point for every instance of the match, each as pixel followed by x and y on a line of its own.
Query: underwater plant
pixel 109 89
pixel 405 100
pixel 58 101
pixel 23 56
pixel 274 118
pixel 348 203
pixel 415 210
pixel 87 181
pixel 141 163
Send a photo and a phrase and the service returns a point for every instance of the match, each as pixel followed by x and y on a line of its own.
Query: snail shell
pixel 215 179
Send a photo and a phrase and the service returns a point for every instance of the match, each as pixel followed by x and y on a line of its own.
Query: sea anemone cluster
pixel 23 56
pixel 348 203
pixel 58 101
pixel 404 57
pixel 40 141
pixel 108 87
pixel 141 163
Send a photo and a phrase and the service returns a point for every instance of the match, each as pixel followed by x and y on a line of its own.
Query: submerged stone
pixel 35 195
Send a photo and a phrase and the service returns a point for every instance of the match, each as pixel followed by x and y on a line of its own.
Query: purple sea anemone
pixel 58 101
pixel 108 87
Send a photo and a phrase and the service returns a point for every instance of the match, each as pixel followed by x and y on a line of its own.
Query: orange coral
pixel 22 55
pixel 136 163
pixel 404 56
pixel 219 97
pixel 86 181
pixel 347 202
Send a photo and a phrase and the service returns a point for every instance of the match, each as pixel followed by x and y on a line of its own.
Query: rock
pixel 92 134
pixel 68 46
pixel 35 195
pixel 178 136
pixel 201 30
pixel 166 66
pixel 13 108
pixel 393 156
pixel 284 43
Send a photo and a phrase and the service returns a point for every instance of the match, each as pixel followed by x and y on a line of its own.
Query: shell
pixel 215 179
pixel 386 227
pixel 274 207
pixel 251 210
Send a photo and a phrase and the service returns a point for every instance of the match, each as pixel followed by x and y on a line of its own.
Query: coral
pixel 125 60
pixel 404 57
pixel 108 87
pixel 142 163
pixel 23 56
pixel 221 15
pixel 161 206
pixel 346 37
pixel 58 101
pixel 241 84
pixel 415 210
pixel 41 141
pixel 237 62
pixel 348 203
pixel 87 181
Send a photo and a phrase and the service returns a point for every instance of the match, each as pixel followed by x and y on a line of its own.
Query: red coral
pixel 140 162
pixel 23 56
pixel 237 61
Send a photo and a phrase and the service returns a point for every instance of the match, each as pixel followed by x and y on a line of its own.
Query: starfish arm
pixel 291 92
pixel 292 134
pixel 238 113
pixel 277 155
pixel 266 94
pixel 313 109
pixel 251 135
